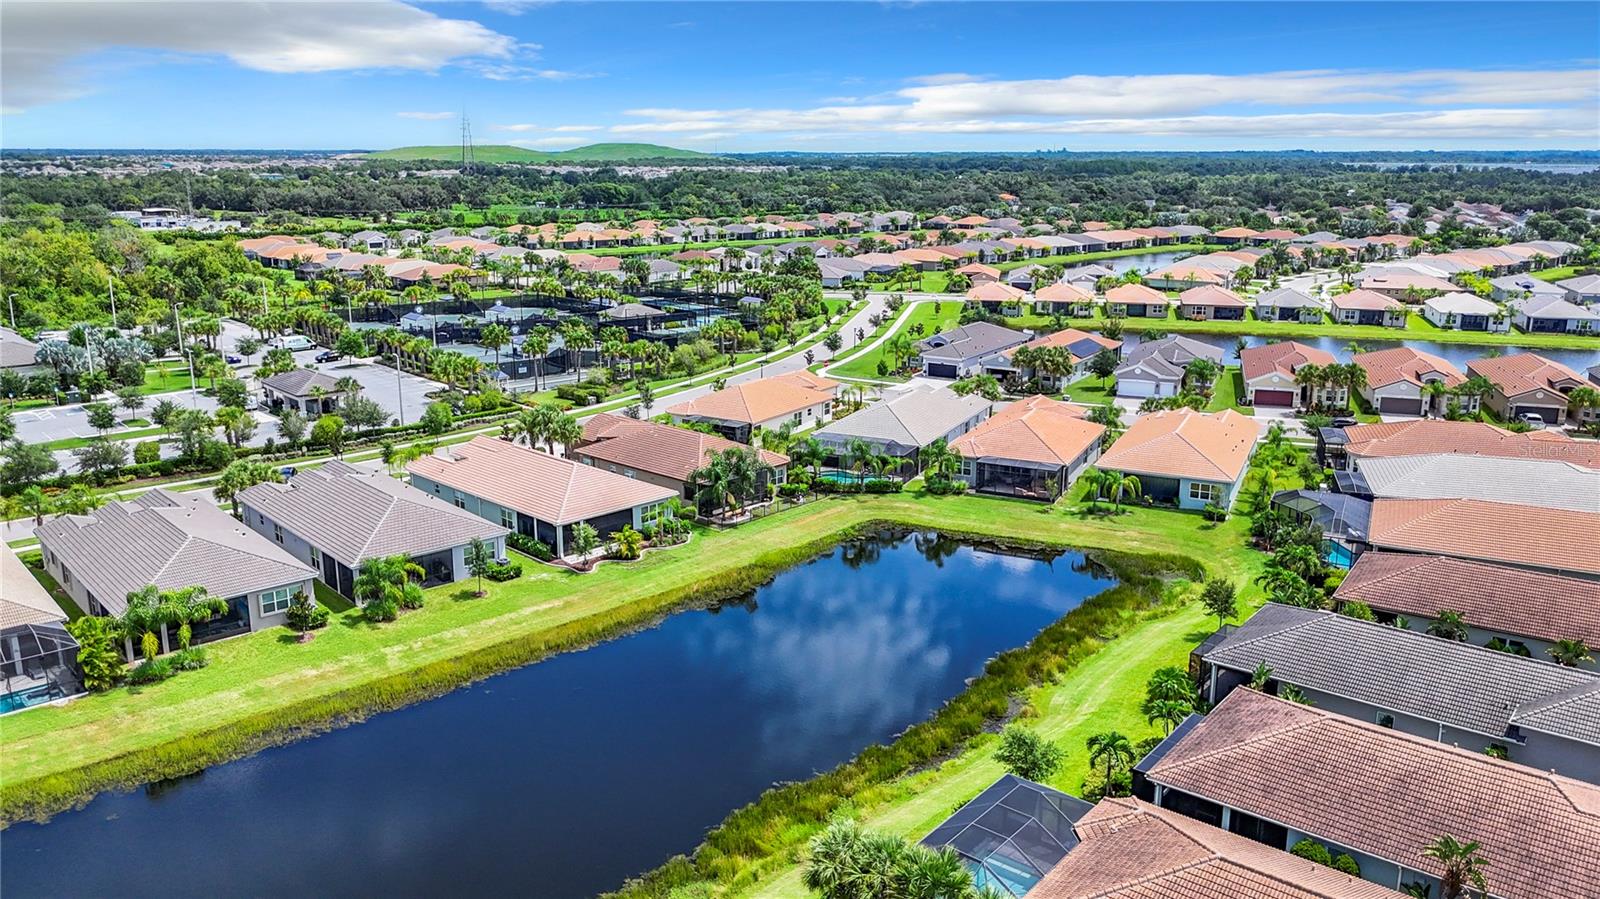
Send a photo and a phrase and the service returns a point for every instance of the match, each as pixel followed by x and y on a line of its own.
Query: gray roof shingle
pixel 1457 684
pixel 301 381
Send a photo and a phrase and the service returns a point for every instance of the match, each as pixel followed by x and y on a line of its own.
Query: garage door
pixel 941 370
pixel 1274 398
pixel 1135 388
pixel 1400 405
pixel 1550 415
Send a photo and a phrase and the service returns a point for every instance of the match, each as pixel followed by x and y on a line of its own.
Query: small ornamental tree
pixel 437 418
pixel 1028 755
pixel 585 540
pixel 99 650
pixel 479 558
pixel 1220 599
pixel 303 614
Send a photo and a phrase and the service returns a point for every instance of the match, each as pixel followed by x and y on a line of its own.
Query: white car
pixel 295 342
pixel 1531 419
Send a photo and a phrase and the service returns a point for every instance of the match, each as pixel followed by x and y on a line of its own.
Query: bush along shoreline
pixel 38 798
pixel 783 818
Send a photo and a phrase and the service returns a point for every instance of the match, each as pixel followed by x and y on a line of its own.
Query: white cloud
pixel 1395 105
pixel 943 78
pixel 524 126
pixel 512 72
pixel 44 42
pixel 576 128
pixel 427 116
pixel 512 7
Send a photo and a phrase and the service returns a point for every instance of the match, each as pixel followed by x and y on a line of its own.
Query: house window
pixel 508 519
pixel 274 601
pixel 316 558
pixel 1203 492
pixel 277 532
pixel 66 576
pixel 1385 719
pixel 461 500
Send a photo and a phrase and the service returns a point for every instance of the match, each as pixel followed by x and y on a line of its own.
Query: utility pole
pixel 194 390
pixel 111 288
pixel 11 303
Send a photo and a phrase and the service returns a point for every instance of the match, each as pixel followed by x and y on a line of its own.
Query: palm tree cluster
pixel 151 611
pixel 847 862
pixel 1115 484
pixel 547 424
pixel 1321 379
pixel 386 585
pixel 863 459
pixel 729 479
pixel 1169 697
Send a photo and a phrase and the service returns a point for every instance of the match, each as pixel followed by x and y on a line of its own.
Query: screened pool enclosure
pixel 1012 834
pixel 38 663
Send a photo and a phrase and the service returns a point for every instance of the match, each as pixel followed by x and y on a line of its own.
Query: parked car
pixel 329 356
pixel 295 342
pixel 1344 423
pixel 1531 419
pixel 234 360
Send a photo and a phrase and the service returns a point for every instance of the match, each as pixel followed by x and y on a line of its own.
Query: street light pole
pixel 11 302
pixel 194 390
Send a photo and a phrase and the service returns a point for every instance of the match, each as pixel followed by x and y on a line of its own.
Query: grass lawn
pixel 932 316
pixel 1225 394
pixel 1090 390
pixel 67 443
pixel 1416 327
pixel 331 599
pixel 259 684
pixel 35 562
pixel 1559 273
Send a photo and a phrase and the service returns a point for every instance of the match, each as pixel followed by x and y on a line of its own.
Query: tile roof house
pixel 1400 285
pixel 534 493
pixel 38 657
pixel 1130 849
pixel 1159 367
pixel 1510 287
pixel 172 540
pixel 1528 383
pixel 1545 314
pixel 1191 458
pixel 1137 301
pixel 336 517
pixel 18 354
pixel 1368 307
pixel 1555 541
pixel 1069 298
pixel 1397 379
pixel 1544 715
pixel 1079 347
pixel 964 350
pixel 1269 377
pixel 1547 483
pixel 1012 834
pixel 660 454
pixel 1211 303
pixel 1513 605
pixel 1583 290
pixel 799 399
pixel 1288 305
pixel 1027 445
pixel 906 421
pixel 1281 771
pixel 1341 448
pixel 1465 312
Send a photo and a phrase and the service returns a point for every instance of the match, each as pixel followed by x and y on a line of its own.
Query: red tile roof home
pixel 583 262
pixel 1427 436
pixel 1181 443
pixel 665 450
pixel 1129 849
pixel 1390 795
pixel 1278 234
pixel 994 292
pixel 921 254
pixel 554 490
pixel 754 402
pixel 1236 232
pixel 1521 373
pixel 1403 363
pixel 1038 429
pixel 1402 280
pixel 1557 540
pixel 1362 299
pixel 1508 600
pixel 1062 292
pixel 1208 295
pixel 970 220
pixel 1066 337
pixel 976 269
pixel 1283 357
pixel 1095 226
pixel 1180 272
pixel 1135 294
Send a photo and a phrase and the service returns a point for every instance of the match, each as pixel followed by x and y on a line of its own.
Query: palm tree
pixel 1111 747
pixel 808 452
pixel 1095 480
pixel 1570 653
pixel 1450 625
pixel 939 459
pixel 1463 866
pixel 1119 483
pixel 192 605
pixel 858 455
pixel 537 345
pixel 1434 390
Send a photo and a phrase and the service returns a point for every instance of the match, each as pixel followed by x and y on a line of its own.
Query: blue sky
pixel 813 76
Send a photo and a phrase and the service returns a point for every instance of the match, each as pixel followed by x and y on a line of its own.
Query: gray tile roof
pixel 971 341
pixel 1286 297
pixel 1177 349
pixel 915 418
pixel 171 540
pixel 358 514
pixel 25 601
pixel 301 381
pixel 15 350
pixel 1573 713
pixel 1457 684
pixel 1548 483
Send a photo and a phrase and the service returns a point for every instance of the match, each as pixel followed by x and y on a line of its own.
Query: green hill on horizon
pixel 493 153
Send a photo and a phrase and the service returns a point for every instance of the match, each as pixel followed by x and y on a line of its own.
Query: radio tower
pixel 467 159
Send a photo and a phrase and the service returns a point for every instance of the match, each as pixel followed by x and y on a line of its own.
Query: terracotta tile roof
pixel 1181 272
pixel 1365 300
pixel 1402 280
pixel 978 268
pixel 1208 295
pixel 657 448
pixel 1389 794
pixel 1553 539
pixel 1509 600
pixel 1403 363
pixel 1069 337
pixel 754 402
pixel 1135 293
pixel 1521 373
pixel 1236 232
pixel 554 490
pixel 994 292
pixel 1279 234
pixel 1284 357
pixel 1427 436
pixel 1063 292
pixel 1181 443
pixel 26 601
pixel 1130 849
pixel 1037 429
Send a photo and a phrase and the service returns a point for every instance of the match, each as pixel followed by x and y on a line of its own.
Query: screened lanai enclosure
pixel 38 663
pixel 1012 834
